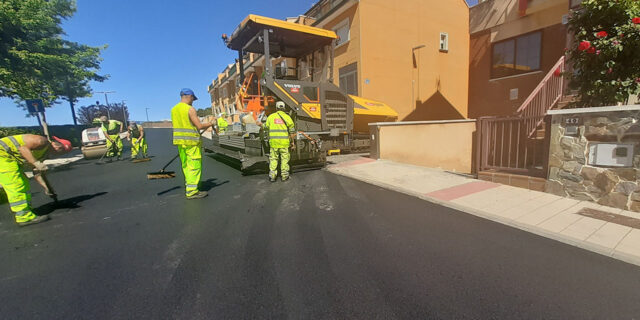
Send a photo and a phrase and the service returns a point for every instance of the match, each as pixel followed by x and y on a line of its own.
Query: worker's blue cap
pixel 187 91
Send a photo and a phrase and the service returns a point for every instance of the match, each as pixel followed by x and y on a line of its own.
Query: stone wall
pixel 572 133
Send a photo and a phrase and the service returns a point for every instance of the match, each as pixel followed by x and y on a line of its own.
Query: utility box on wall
pixel 611 155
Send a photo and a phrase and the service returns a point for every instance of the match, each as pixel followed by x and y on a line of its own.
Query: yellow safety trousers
pixel 283 155
pixel 110 150
pixel 191 158
pixel 138 145
pixel 16 185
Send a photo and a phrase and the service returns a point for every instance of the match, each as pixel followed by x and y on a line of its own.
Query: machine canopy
pixel 372 108
pixel 287 39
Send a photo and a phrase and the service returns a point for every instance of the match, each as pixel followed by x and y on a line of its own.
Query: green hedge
pixel 69 132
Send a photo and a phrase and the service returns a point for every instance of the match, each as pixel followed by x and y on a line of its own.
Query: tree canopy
pixel 204 112
pixel 606 51
pixel 35 60
pixel 116 111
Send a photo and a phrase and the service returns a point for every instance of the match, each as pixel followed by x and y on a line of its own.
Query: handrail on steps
pixel 548 92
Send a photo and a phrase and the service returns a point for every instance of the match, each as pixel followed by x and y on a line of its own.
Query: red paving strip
pixel 462 190
pixel 354 162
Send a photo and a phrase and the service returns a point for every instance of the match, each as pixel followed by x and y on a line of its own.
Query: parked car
pixel 94 143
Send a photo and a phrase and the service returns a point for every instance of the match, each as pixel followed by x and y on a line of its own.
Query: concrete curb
pixel 611 253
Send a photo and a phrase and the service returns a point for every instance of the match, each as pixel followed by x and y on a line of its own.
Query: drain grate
pixel 610 217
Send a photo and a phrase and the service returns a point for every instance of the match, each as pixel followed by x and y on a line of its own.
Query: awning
pixel 372 108
pixel 288 39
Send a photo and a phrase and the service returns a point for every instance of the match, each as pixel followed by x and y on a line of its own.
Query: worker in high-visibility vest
pixel 281 134
pixel 222 123
pixel 112 130
pixel 186 136
pixel 16 153
pixel 138 140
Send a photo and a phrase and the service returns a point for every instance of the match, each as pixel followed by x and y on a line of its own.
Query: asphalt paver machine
pixel 323 113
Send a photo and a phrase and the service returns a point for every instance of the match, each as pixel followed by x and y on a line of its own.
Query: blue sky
pixel 155 49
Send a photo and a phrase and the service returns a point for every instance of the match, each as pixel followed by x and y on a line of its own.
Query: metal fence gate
pixel 508 144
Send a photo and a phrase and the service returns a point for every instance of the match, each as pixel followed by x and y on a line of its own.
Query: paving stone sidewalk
pixel 609 231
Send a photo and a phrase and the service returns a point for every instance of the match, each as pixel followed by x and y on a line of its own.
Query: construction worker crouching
pixel 138 140
pixel 281 133
pixel 186 137
pixel 222 123
pixel 112 129
pixel 15 153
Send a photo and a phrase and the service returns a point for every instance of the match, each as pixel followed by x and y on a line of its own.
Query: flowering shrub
pixel 606 51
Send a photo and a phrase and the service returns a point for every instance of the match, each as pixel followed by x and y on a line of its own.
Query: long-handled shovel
pixel 144 157
pixel 52 194
pixel 163 174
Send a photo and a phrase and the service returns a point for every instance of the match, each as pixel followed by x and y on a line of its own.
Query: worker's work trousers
pixel 138 145
pixel 191 158
pixel 16 185
pixel 282 155
pixel 113 151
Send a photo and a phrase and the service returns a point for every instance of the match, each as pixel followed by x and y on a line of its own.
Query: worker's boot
pixel 272 179
pixel 199 195
pixel 285 178
pixel 35 220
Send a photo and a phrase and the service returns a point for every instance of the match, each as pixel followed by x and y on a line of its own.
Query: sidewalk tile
pixel 541 214
pixel 560 221
pixel 518 210
pixel 631 243
pixel 485 198
pixel 515 200
pixel 609 235
pixel 583 228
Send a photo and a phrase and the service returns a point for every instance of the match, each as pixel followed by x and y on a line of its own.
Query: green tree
pixel 204 112
pixel 116 111
pixel 35 60
pixel 606 51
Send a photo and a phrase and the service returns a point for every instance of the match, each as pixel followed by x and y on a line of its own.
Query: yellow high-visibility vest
pixel 184 132
pixel 113 128
pixel 222 124
pixel 9 148
pixel 280 126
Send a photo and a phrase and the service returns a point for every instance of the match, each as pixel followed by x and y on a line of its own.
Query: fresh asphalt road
pixel 318 247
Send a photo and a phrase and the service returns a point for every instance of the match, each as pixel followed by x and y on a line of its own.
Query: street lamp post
pixel 416 65
pixel 146 110
pixel 99 106
pixel 106 100
pixel 124 115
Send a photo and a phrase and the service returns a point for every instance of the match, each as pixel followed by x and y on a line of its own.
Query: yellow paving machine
pixel 295 65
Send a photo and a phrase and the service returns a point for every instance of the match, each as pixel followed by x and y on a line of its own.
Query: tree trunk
pixel 73 113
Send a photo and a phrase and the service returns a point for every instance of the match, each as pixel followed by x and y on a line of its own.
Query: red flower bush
pixel 584 45
pixel 557 73
pixel 601 34
pixel 591 50
pixel 636 20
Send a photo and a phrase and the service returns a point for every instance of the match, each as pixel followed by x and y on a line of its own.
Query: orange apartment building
pixel 410 54
pixel 429 59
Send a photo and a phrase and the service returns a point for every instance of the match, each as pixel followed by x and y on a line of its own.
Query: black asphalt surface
pixel 318 247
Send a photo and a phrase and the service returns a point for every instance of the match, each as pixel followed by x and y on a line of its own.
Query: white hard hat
pixel 279 105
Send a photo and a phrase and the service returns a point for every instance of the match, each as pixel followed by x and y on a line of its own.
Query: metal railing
pixel 505 144
pixel 543 97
